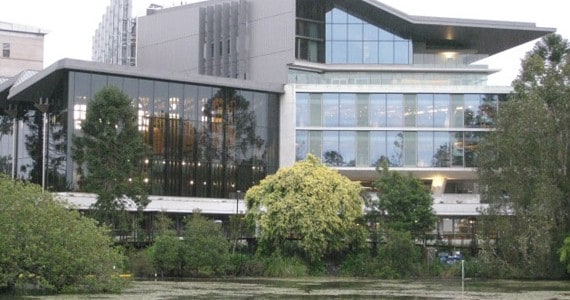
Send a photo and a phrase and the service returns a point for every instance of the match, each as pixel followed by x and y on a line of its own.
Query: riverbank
pixel 339 288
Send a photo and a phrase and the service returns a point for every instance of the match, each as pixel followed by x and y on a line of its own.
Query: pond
pixel 332 288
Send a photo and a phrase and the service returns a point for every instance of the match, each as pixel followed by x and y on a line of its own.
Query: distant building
pixel 114 41
pixel 22 48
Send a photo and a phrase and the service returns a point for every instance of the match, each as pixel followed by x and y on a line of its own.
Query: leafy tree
pixel 406 203
pixel 43 242
pixel 110 152
pixel 166 254
pixel 206 249
pixel 309 203
pixel 524 167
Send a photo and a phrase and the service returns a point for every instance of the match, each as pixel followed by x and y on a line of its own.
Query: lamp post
pixel 237 201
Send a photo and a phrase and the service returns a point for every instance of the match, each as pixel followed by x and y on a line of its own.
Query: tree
pixel 309 203
pixel 523 167
pixel 43 242
pixel 406 203
pixel 206 249
pixel 109 152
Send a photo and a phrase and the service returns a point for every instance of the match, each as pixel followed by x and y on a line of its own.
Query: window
pixel 5 49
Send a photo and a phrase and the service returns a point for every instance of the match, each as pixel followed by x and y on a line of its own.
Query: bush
pixel 140 263
pixel 277 265
pixel 245 265
pixel 400 254
pixel 206 250
pixel 51 247
pixel 166 255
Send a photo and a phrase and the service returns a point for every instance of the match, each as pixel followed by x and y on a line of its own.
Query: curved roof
pixel 483 36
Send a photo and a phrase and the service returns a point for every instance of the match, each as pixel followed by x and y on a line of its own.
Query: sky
pixel 71 23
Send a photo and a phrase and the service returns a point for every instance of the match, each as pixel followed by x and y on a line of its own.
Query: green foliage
pixel 140 263
pixel 308 203
pixel 278 265
pixel 524 168
pixel 43 242
pixel 167 255
pixel 246 265
pixel 406 202
pixel 110 151
pixel 203 251
pixel 400 253
pixel 565 253
pixel 206 249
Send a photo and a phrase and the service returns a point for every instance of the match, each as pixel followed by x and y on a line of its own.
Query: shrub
pixel 400 254
pixel 206 250
pixel 42 242
pixel 277 265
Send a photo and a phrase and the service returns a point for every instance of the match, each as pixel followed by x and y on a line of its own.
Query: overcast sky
pixel 72 23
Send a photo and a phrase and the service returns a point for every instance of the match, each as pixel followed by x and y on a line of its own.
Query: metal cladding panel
pixel 169 40
pixel 272 39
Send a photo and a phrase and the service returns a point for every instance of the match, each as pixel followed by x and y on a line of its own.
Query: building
pixel 353 82
pixel 22 49
pixel 114 41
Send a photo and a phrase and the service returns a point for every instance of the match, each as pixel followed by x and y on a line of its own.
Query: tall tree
pixel 405 202
pixel 109 152
pixel 523 167
pixel 309 203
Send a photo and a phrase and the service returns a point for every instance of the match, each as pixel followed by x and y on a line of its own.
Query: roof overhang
pixel 41 85
pixel 483 36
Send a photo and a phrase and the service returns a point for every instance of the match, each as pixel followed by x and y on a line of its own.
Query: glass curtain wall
pixel 406 130
pixel 328 34
pixel 206 141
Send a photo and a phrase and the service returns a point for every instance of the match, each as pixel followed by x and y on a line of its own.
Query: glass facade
pixel 407 130
pixel 328 34
pixel 206 141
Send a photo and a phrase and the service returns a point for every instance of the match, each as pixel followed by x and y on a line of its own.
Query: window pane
pixel 315 143
pixel 457 108
pixel 395 148
pixel 441 110
pixel 362 110
pixel 442 150
pixel 378 151
pixel 370 32
pixel 377 110
pixel 354 52
pixel 386 55
pixel 401 52
pixel 330 110
pixel 425 149
pixel 370 52
pixel 347 110
pixel 347 148
pixel 411 110
pixel 339 32
pixel 355 32
pixel 410 149
pixel 471 113
pixel 315 107
pixel 425 110
pixel 331 154
pixel 395 110
pixel 384 35
pixel 302 145
pixel 302 109
pixel 457 149
pixel 339 52
pixel 339 16
pixel 488 110
pixel 362 149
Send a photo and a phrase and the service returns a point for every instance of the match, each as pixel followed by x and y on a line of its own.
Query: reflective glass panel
pixel 425 110
pixel 442 150
pixel 302 109
pixel 395 148
pixel 330 110
pixel 347 148
pixel 395 110
pixel 425 149
pixel 347 110
pixel 331 155
pixel 378 151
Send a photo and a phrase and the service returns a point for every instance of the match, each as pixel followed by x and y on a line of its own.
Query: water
pixel 332 288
